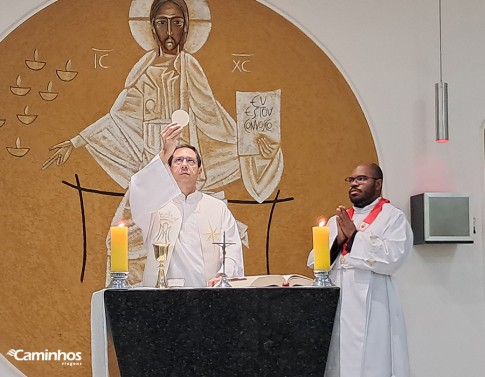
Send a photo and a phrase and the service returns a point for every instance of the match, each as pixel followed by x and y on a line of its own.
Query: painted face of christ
pixel 169 26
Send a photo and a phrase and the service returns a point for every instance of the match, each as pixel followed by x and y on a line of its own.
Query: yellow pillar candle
pixel 119 248
pixel 321 248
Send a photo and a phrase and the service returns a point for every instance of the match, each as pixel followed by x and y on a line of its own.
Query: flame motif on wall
pixel 66 74
pixel 36 64
pixel 17 151
pixel 48 95
pixel 26 118
pixel 18 89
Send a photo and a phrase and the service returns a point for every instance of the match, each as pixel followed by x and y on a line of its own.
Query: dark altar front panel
pixel 222 331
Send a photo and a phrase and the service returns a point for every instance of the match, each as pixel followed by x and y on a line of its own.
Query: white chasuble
pixel 189 224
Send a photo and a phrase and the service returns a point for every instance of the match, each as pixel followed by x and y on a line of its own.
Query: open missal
pixel 270 281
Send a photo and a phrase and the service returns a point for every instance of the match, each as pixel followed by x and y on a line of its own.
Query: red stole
pixel 368 220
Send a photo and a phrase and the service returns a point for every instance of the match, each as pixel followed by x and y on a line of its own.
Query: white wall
pixel 389 52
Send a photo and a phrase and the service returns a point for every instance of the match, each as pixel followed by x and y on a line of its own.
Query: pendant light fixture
pixel 441 100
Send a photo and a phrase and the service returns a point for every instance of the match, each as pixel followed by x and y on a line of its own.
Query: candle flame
pixel 322 221
pixel 121 224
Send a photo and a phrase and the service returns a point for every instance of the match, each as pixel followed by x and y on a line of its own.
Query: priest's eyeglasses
pixel 359 179
pixel 190 161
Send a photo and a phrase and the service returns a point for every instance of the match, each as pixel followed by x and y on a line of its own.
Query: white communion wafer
pixel 181 117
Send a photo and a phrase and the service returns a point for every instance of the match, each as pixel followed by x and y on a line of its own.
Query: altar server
pixel 370 241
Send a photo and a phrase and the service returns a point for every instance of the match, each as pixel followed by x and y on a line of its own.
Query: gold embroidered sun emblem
pixel 212 234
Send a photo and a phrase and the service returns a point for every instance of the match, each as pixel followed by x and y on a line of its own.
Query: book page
pixel 298 280
pixel 258 115
pixel 257 281
pixel 270 280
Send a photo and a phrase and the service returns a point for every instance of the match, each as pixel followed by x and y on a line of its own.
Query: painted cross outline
pixel 81 190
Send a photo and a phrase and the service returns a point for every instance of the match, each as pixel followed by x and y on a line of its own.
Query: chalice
pixel 161 254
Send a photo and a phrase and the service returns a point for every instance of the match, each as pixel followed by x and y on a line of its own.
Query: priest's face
pixel 364 186
pixel 169 25
pixel 184 169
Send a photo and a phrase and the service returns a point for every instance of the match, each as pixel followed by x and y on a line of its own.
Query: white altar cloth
pixel 99 333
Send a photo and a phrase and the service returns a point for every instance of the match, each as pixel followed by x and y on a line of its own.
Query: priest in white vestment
pixel 165 79
pixel 369 243
pixel 167 207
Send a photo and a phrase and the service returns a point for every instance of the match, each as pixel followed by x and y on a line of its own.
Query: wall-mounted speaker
pixel 438 217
